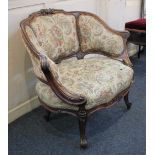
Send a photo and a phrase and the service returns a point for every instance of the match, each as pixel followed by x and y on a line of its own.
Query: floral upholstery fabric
pixel 35 61
pixel 56 34
pixel 95 36
pixel 98 79
pixel 132 49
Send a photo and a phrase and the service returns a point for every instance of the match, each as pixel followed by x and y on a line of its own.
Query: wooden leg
pixel 47 116
pixel 126 99
pixel 139 51
pixel 82 128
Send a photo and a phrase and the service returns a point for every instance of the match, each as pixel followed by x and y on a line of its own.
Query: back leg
pixel 126 99
pixel 47 116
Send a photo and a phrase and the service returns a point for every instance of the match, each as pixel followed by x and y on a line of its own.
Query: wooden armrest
pixel 125 56
pixel 61 92
pixel 126 59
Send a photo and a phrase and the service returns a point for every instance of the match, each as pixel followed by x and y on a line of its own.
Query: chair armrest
pixel 64 94
pixel 46 72
pixel 125 56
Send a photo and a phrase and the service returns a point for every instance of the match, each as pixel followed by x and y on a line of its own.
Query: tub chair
pixel 57 42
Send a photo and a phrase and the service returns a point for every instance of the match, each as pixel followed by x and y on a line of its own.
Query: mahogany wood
pixel 126 99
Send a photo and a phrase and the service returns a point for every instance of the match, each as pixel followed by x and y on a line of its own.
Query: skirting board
pixel 23 108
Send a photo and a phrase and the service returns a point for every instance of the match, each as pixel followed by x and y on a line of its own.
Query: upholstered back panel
pixel 35 61
pixel 56 34
pixel 94 35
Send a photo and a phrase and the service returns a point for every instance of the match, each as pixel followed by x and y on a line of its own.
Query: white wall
pixel 112 13
pixel 132 11
pixel 117 12
pixel 22 96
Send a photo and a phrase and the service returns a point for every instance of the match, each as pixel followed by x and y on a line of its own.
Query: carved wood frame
pixel 59 90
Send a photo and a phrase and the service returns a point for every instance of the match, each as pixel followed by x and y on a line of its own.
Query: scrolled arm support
pixel 65 95
pixel 125 57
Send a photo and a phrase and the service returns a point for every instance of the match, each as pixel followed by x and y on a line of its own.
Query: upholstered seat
pixel 98 79
pixel 139 24
pixel 58 42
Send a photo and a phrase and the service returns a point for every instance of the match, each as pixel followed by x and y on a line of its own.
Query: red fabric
pixel 139 24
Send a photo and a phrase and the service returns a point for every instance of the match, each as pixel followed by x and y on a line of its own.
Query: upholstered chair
pixel 57 42
pixel 137 29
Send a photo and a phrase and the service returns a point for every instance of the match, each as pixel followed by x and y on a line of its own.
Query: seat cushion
pixel 139 24
pixel 98 79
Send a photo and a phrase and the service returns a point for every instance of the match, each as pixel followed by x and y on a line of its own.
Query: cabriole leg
pixel 82 127
pixel 139 52
pixel 126 99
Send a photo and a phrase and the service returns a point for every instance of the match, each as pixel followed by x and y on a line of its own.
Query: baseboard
pixel 23 108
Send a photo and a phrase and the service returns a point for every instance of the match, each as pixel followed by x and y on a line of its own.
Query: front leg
pixel 82 126
pixel 126 99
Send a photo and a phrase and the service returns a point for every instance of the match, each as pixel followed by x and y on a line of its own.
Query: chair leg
pixel 140 50
pixel 47 115
pixel 82 128
pixel 126 99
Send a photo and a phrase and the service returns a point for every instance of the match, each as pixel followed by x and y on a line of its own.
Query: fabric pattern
pixel 35 61
pixel 95 36
pixel 132 49
pixel 56 34
pixel 98 79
